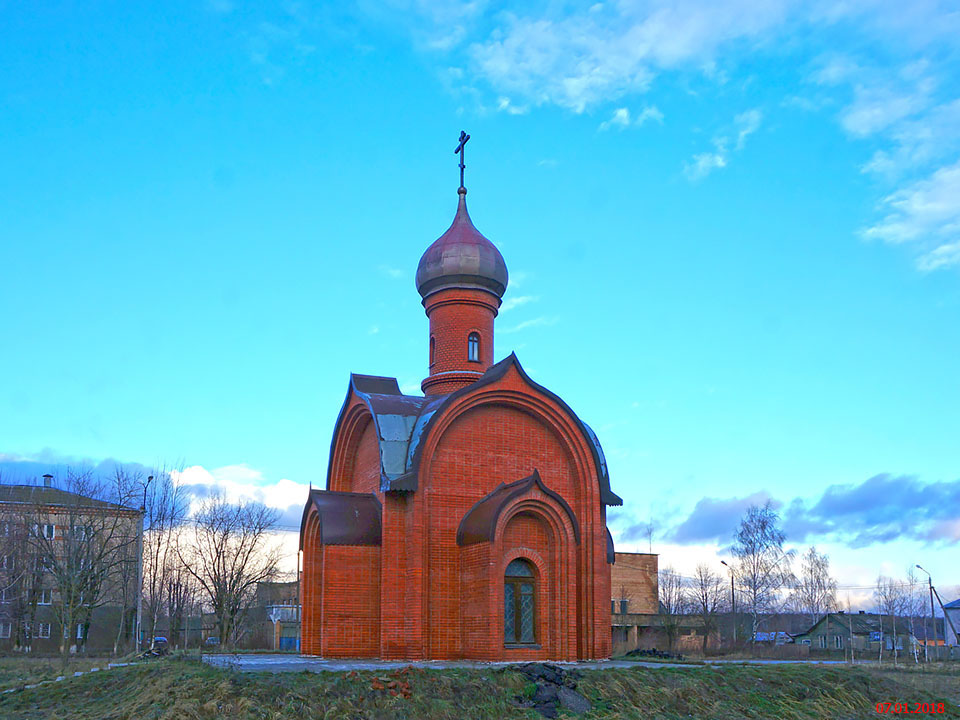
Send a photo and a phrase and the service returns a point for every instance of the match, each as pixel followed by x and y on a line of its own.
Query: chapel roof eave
pixel 346 518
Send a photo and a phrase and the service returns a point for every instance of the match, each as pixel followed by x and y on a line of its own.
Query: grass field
pixel 24 670
pixel 175 689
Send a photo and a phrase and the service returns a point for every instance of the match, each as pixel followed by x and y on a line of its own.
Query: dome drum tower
pixel 461 278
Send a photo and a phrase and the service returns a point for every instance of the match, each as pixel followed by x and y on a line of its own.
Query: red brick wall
pixel 341 598
pixel 478 606
pixel 366 470
pixel 351 601
pixel 454 314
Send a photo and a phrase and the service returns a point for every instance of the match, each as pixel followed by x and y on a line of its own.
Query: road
pixel 296 663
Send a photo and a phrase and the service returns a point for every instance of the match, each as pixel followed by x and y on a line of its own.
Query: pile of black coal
pixel 556 688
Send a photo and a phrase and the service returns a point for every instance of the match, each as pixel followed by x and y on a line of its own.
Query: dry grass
pixel 174 689
pixel 20 670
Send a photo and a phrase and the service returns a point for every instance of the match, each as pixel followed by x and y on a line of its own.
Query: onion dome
pixel 462 258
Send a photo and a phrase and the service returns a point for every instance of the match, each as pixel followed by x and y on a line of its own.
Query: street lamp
pixel 733 602
pixel 933 619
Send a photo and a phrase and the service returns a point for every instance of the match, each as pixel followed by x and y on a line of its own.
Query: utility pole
pixel 143 514
pixel 933 619
pixel 733 602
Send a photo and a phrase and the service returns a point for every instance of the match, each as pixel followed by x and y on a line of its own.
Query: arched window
pixel 519 603
pixel 473 347
pixel 433 349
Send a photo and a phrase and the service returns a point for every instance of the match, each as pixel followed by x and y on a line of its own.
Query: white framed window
pixel 838 642
pixel 5 629
pixel 6 595
pixel 473 347
pixel 81 532
pixel 79 631
pixel 46 530
pixel 823 642
pixel 43 630
pixel 45 598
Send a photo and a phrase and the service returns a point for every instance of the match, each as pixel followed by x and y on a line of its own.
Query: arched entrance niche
pixel 523 521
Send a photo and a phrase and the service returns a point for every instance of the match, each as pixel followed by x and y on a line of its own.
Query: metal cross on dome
pixel 463 141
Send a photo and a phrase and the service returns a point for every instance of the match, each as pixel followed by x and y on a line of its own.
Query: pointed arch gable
pixel 480 522
pixel 436 408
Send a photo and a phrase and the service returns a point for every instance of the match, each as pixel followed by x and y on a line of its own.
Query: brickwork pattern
pixel 634 578
pixel 454 314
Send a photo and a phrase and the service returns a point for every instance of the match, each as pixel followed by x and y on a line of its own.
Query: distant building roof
pixel 39 495
pixel 955 605
pixel 867 623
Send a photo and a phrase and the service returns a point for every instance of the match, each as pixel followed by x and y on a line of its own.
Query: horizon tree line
pixel 769 580
pixel 83 554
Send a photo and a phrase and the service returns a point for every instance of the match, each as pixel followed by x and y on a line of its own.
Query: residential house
pixel 69 570
pixel 861 632
pixel 952 625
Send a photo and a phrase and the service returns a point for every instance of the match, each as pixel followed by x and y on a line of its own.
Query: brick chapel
pixel 469 522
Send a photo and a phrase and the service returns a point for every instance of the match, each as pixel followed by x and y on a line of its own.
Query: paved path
pixel 297 663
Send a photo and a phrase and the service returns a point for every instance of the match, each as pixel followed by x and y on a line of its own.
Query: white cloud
pixel 927 212
pixel 877 108
pixel 918 141
pixel 650 112
pixel 515 302
pixel 607 51
pixel 619 119
pixel 747 124
pixel 703 164
pixel 535 322
pixel 504 105
pixel 241 482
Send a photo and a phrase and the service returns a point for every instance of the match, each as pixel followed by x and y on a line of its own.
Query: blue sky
pixel 733 234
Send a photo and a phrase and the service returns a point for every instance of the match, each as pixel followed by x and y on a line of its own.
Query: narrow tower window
pixel 473 347
pixel 433 349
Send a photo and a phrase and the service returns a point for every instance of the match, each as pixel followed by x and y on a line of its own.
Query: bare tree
pixel 706 598
pixel 815 590
pixel 21 577
pixel 763 566
pixel 914 606
pixel 890 597
pixel 227 554
pixel 165 509
pixel 672 596
pixel 180 598
pixel 84 549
